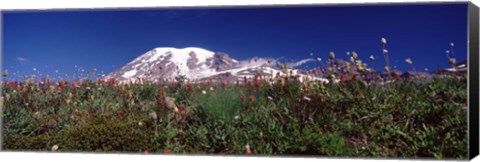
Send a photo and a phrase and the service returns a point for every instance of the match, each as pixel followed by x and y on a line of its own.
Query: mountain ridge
pixel 196 64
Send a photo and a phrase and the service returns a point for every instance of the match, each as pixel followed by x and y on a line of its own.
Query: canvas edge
pixel 1 78
pixel 473 52
pixel 236 6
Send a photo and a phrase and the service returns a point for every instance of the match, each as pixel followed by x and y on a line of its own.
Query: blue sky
pixel 108 39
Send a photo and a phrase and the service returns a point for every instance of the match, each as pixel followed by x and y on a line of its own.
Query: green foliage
pixel 288 117
pixel 221 104
pixel 100 135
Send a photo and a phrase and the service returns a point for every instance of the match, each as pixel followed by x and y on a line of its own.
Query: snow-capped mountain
pixel 198 64
pixel 166 63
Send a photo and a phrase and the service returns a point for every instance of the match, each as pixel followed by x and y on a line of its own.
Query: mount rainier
pixel 194 63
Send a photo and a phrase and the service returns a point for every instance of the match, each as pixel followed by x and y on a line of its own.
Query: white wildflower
pixel 332 55
pixel 354 55
pixel 270 98
pixel 408 61
pixel 372 57
pixel 384 40
pixel 387 69
pixel 204 92
pixel 153 115
pixel 55 148
pixel 170 102
pixel 307 98
pixel 5 73
pixel 452 61
pixel 332 76
pixel 36 115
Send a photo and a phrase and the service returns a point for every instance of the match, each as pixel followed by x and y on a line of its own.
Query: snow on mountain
pixel 195 63
pixel 167 63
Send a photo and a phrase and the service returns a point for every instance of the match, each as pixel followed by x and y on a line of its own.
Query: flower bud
pixel 332 55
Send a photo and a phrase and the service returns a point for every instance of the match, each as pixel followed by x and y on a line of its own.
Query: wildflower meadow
pixel 350 115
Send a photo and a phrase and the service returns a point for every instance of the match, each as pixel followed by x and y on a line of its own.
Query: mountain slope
pixel 166 63
pixel 195 63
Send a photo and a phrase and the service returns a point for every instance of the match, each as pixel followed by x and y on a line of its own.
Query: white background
pixel 51 4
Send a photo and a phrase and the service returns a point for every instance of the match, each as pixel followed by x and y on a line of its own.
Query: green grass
pixel 405 119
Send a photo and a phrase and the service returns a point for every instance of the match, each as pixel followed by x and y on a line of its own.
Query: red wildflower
pixel 209 81
pixel 184 88
pixel 111 82
pixel 14 84
pixel 20 88
pixel 145 152
pixel 257 84
pixel 343 81
pixel 397 76
pixel 251 99
pixel 124 94
pixel 190 86
pixel 167 151
pixel 354 76
pixel 73 88
pixel 180 108
pixel 61 85
pixel 248 151
pixel 243 97
pixel 118 113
